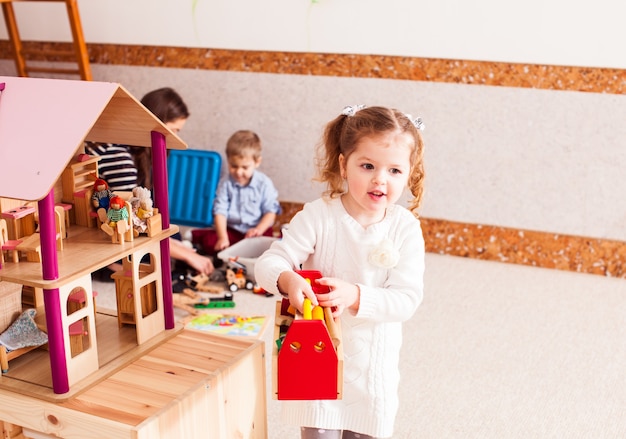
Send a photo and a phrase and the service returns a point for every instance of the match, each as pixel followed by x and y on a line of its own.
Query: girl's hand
pixel 342 295
pixel 296 288
pixel 200 263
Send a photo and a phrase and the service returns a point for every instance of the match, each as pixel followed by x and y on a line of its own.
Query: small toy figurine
pixel 142 209
pixel 117 213
pixel 101 194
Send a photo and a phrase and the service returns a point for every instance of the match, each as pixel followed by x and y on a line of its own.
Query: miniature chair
pixel 66 211
pixel 154 223
pixel 8 245
pixel 124 229
pixel 59 224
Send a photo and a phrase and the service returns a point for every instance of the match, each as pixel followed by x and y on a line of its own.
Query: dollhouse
pixel 133 374
pixel 45 184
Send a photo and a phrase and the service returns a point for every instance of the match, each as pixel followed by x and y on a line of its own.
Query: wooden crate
pixel 196 385
pixel 309 363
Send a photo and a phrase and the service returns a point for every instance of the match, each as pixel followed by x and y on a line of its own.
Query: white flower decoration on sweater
pixel 384 255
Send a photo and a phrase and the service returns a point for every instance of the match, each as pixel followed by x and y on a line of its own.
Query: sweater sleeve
pixel 403 290
pixel 290 252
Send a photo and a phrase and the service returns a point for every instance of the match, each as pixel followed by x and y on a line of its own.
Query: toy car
pixel 236 276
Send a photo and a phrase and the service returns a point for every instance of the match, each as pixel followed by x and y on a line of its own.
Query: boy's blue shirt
pixel 243 206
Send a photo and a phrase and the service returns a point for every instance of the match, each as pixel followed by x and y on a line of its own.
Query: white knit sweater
pixel 324 237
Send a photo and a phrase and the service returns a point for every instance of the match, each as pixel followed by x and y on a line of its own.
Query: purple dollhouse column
pixel 51 298
pixel 159 177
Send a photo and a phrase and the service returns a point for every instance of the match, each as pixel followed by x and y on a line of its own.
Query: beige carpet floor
pixel 499 351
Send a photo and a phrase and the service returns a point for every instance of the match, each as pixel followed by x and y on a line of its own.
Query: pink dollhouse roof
pixel 44 122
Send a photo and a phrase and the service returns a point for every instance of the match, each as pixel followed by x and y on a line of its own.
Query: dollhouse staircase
pixel 23 55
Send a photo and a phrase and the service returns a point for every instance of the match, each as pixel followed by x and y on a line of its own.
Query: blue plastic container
pixel 193 176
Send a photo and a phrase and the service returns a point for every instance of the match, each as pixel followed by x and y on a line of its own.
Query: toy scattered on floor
pixel 236 276
pixel 202 282
pixel 226 301
pixel 187 299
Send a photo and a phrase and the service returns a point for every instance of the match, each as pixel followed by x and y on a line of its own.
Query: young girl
pixel 371 252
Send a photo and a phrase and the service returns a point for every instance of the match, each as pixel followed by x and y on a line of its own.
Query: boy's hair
pixel 244 143
pixel 343 133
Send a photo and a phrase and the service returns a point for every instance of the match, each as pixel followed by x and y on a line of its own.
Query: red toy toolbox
pixel 308 362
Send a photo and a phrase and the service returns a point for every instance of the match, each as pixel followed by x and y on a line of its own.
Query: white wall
pixel 559 32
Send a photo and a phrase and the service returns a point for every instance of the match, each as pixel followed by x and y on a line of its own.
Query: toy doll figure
pixel 116 213
pixel 101 194
pixel 142 210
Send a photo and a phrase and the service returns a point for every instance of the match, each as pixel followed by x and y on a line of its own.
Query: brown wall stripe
pixel 598 80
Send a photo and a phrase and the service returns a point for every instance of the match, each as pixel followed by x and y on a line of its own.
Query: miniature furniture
pixel 83 210
pixel 30 245
pixel 10 310
pixel 66 215
pixel 78 176
pixel 20 221
pixel 124 228
pixel 8 246
pixel 60 226
pixel 32 298
pixel 78 41
pixel 154 223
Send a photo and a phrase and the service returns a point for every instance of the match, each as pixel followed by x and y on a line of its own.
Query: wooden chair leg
pixel 4 360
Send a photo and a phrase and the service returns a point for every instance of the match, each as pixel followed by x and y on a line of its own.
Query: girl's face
pixel 176 125
pixel 376 172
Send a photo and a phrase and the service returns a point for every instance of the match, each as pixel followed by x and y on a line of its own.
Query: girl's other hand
pixel 342 295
